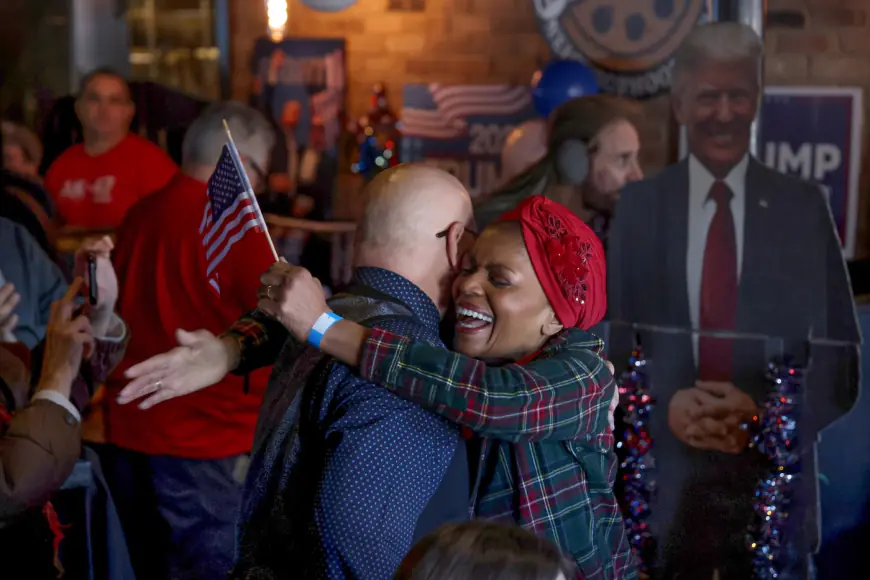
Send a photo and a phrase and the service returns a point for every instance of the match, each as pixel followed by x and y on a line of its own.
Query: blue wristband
pixel 326 320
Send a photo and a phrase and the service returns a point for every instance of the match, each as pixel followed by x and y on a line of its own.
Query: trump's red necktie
pixel 718 310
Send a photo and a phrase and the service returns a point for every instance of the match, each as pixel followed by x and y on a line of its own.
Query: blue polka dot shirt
pixel 376 465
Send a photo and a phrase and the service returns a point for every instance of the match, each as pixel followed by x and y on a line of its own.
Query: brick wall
pixel 451 41
pixel 813 42
pixel 825 43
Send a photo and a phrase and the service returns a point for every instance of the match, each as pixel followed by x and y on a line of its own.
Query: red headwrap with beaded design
pixel 568 259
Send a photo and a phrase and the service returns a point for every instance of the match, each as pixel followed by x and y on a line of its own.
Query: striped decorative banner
pixel 462 128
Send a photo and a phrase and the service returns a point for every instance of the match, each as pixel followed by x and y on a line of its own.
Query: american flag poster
pixel 301 82
pixel 462 128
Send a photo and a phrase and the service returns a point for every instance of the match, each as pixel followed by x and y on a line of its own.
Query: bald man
pixel 345 477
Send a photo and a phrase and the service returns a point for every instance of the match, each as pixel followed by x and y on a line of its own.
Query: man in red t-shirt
pixel 94 183
pixel 175 471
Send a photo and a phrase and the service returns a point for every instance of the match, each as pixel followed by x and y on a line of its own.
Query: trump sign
pixel 815 133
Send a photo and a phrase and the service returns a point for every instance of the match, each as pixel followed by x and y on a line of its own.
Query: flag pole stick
pixel 249 191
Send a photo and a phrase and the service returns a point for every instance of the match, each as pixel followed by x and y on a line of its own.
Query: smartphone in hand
pixel 88 294
pixel 91 282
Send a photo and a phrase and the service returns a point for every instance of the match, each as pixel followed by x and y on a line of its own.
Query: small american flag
pixel 229 214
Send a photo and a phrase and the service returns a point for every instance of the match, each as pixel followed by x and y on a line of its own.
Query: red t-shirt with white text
pixel 95 191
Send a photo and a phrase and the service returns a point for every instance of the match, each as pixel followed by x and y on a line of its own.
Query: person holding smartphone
pixel 84 341
pixel 44 429
pixel 43 392
pixel 41 432
pixel 30 282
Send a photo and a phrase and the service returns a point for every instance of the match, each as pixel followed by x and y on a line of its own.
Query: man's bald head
pixel 411 203
pixel 416 224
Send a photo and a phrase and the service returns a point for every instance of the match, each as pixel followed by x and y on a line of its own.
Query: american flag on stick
pixel 231 212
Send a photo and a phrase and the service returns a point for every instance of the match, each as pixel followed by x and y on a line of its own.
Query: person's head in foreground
pixel 535 271
pixel 592 153
pixel 716 92
pixel 481 550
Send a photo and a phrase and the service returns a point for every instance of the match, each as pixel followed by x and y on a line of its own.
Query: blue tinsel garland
pixel 777 439
pixel 637 462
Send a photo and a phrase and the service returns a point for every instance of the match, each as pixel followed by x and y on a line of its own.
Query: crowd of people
pixel 449 414
pixel 187 474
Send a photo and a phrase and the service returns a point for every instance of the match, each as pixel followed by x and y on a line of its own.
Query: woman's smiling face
pixel 502 312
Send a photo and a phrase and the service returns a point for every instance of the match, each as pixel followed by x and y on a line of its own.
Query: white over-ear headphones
pixel 572 162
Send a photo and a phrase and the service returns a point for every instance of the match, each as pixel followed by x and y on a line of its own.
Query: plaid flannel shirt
pixel 260 339
pixel 556 475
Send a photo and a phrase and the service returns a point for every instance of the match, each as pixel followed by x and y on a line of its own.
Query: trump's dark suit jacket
pixel 793 286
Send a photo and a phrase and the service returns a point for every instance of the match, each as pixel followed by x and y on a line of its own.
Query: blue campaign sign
pixel 302 83
pixel 815 133
pixel 462 128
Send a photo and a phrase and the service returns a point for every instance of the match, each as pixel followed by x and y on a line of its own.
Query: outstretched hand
pixel 200 360
pixel 292 296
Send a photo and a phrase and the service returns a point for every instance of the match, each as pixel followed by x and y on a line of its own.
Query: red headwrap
pixel 568 259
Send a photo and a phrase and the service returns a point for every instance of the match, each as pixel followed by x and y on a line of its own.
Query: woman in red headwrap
pixel 527 377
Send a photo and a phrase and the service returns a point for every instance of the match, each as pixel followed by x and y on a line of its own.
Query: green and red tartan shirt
pixel 547 455
pixel 547 450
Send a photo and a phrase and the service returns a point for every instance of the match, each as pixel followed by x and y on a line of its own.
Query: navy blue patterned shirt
pixel 382 463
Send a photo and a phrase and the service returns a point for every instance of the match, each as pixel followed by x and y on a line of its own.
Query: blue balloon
pixel 560 81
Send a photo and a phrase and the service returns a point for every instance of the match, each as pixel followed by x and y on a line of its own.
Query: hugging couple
pixel 372 434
